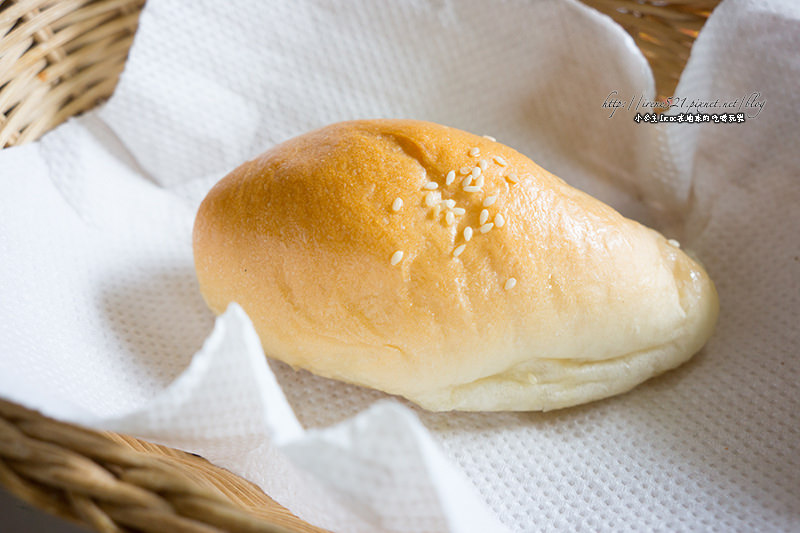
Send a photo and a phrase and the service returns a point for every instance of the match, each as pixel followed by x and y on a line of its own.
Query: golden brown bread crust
pixel 303 238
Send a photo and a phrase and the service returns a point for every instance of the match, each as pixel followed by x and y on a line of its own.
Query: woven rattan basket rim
pixel 60 58
pixel 110 481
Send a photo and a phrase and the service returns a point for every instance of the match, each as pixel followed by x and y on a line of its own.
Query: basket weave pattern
pixel 59 58
pixel 110 481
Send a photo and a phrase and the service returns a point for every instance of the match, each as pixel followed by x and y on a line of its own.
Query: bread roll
pixel 445 267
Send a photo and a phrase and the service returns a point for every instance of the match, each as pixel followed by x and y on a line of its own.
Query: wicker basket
pixel 60 58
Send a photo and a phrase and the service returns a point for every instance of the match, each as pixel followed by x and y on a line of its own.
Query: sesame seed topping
pixel 459 210
pixel 484 216
pixel 499 221
pixel 475 152
pixel 479 181
pixel 458 249
pixel 436 210
pixel 500 161
pixel 397 257
pixel 482 164
pixel 490 138
pixel 467 233
pixel 464 170
pixel 674 243
pixel 451 176
pixel 430 199
pixel 510 283
pixel 513 178
pixel 449 203
pixel 450 218
pixel 476 172
pixel 466 181
pixel 431 186
pixel 472 188
pixel 489 200
pixel 486 227
pixel 397 205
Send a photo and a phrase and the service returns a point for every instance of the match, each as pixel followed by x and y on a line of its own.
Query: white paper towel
pixel 100 314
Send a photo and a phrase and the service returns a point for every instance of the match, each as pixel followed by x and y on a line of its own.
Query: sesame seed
pixel 486 227
pixel 451 176
pixel 449 203
pixel 513 178
pixel 464 170
pixel 431 185
pixel 479 181
pixel 459 210
pixel 490 138
pixel 499 221
pixel 475 152
pixel 484 216
pixel 674 243
pixel 466 182
pixel 467 233
pixel 500 161
pixel 510 283
pixel 458 249
pixel 436 210
pixel 482 164
pixel 489 200
pixel 397 257
pixel 472 188
pixel 450 218
pixel 476 172
pixel 430 199
pixel 397 205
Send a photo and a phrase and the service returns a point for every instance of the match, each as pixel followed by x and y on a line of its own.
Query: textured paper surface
pixel 101 321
